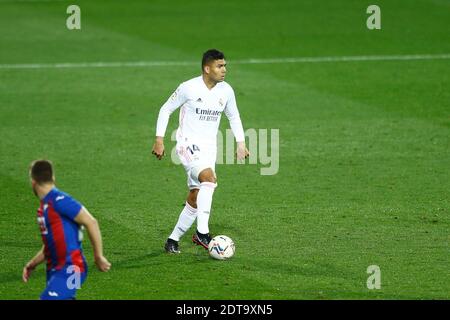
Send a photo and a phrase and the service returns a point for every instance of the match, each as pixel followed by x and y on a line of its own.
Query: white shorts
pixel 195 157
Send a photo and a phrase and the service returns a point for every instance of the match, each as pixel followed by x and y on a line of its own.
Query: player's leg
pixel 185 221
pixel 192 197
pixel 207 179
pixel 189 212
pixel 199 163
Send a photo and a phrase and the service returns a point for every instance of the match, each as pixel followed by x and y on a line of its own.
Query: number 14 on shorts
pixel 193 148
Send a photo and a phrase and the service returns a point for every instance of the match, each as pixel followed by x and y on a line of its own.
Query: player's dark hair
pixel 211 55
pixel 42 171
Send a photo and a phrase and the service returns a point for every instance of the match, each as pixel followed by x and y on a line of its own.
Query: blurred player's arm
pixel 232 113
pixel 32 264
pixel 174 102
pixel 85 219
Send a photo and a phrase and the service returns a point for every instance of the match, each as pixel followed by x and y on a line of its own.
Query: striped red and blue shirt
pixel 60 233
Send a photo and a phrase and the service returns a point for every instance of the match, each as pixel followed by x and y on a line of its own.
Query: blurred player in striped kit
pixel 60 219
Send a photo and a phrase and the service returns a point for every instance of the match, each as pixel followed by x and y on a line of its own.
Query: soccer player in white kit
pixel 201 100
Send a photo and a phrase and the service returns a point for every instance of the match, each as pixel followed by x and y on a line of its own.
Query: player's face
pixel 217 70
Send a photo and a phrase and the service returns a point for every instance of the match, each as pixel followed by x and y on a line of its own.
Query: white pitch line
pixel 95 64
pixel 31 1
pixel 350 58
pixel 444 56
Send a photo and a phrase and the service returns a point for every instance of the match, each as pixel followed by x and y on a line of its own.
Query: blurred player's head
pixel 41 173
pixel 214 65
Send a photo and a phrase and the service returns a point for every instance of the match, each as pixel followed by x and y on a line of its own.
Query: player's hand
pixel 158 148
pixel 102 264
pixel 242 152
pixel 27 270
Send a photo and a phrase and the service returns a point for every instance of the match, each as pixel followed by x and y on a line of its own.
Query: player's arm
pixel 173 103
pixel 85 219
pixel 232 113
pixel 32 264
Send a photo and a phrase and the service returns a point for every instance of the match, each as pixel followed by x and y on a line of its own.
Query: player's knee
pixel 207 175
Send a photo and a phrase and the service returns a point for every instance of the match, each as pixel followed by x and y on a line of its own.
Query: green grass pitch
pixel 364 146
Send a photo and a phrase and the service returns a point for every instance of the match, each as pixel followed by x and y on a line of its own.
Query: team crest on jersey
pixel 221 102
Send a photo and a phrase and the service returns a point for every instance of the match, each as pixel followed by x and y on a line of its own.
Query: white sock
pixel 185 221
pixel 204 202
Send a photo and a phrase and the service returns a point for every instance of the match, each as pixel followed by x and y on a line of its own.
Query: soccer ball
pixel 221 247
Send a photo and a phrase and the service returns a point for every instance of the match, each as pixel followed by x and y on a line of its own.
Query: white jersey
pixel 201 111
